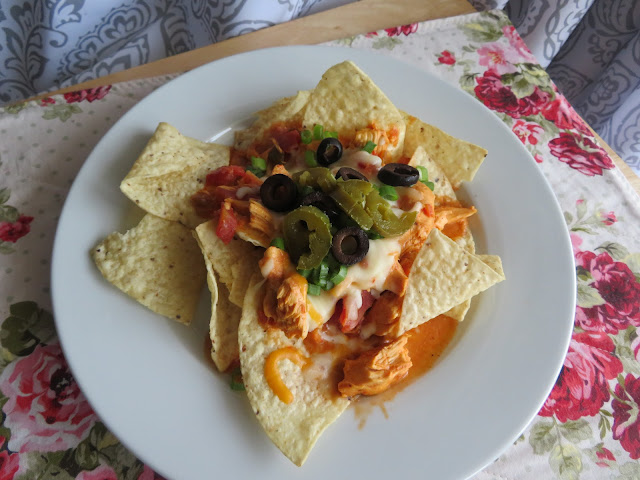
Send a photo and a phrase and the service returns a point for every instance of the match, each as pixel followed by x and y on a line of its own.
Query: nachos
pixel 330 234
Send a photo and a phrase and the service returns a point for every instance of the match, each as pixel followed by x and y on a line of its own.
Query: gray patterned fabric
pixel 591 48
pixel 48 44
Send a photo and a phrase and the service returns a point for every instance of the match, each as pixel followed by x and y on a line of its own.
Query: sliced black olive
pixel 329 151
pixel 275 156
pixel 323 202
pixel 398 175
pixel 350 245
pixel 348 173
pixel 279 193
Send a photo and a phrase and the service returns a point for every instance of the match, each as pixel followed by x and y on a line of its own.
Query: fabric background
pixel 587 429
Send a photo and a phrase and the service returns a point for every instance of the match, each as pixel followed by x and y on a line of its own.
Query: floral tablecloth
pixel 589 427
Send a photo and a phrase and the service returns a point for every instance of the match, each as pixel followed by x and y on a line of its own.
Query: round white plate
pixel 148 377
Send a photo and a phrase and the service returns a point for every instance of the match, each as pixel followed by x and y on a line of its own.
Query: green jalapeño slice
pixel 387 223
pixel 307 236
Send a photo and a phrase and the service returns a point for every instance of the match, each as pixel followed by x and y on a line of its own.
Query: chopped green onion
pixel 236 380
pixel 323 270
pixel 330 135
pixel 369 146
pixel 278 242
pixel 258 166
pixel 306 136
pixel 256 171
pixel 318 130
pixel 258 162
pixel 388 192
pixel 314 290
pixel 340 275
pixel 329 285
pixel 310 159
pixel 424 177
pixel 305 273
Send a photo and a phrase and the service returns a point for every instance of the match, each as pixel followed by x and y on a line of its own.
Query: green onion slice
pixel 424 177
pixel 310 159
pixel 306 136
pixel 314 290
pixel 340 275
pixel 278 242
pixel 318 130
pixel 369 146
pixel 236 380
pixel 388 192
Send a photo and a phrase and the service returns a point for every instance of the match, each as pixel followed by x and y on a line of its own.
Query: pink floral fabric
pixel 588 427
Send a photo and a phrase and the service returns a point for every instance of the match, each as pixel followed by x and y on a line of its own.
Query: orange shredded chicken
pixel 374 371
pixel 285 300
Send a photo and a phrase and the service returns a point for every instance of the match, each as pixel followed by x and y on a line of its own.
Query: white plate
pixel 148 378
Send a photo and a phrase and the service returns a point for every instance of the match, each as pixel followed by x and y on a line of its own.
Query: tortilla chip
pixel 346 100
pixel 225 317
pixel 460 160
pixel 294 428
pixel 169 170
pixel 158 263
pixel 234 262
pixel 494 261
pixel 443 275
pixel 285 110
pixel 441 185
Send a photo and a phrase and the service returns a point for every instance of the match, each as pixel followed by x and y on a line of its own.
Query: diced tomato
pixel 428 210
pixel 227 224
pixel 288 140
pixel 228 175
pixel 348 325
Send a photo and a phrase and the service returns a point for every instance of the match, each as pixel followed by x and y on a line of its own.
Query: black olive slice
pixel 398 175
pixel 348 173
pixel 279 193
pixel 329 151
pixel 350 245
pixel 323 202
pixel 275 156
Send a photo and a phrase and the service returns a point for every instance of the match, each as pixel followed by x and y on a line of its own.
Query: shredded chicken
pixel 255 222
pixel 397 280
pixel 385 313
pixel 449 214
pixel 414 239
pixel 376 370
pixel 292 305
pixel 285 301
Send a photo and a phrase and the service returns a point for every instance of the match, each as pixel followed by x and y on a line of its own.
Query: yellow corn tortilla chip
pixel 443 188
pixel 158 263
pixel 346 100
pixel 286 110
pixel 460 160
pixel 225 317
pixel 295 427
pixel 443 275
pixel 234 262
pixel 223 331
pixel 441 185
pixel 170 169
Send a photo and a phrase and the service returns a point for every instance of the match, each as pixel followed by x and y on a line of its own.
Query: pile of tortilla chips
pixel 164 260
